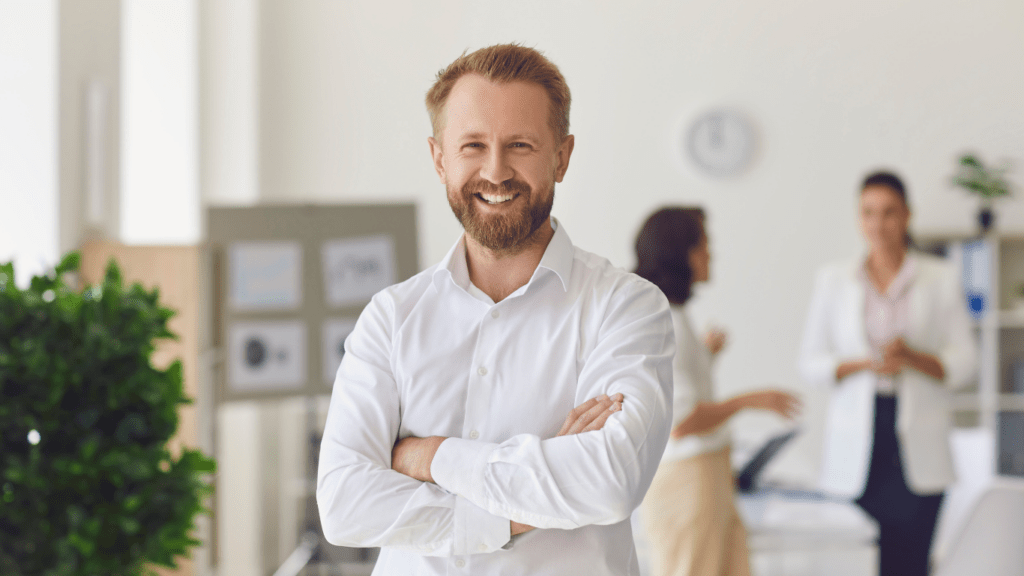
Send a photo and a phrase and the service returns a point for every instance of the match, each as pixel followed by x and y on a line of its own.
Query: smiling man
pixel 504 411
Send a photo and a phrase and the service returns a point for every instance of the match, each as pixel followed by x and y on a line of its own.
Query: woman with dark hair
pixel 888 334
pixel 689 512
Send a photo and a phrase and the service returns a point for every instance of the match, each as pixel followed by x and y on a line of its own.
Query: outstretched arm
pixel 707 416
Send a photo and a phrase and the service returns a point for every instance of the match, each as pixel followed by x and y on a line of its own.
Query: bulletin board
pixel 288 283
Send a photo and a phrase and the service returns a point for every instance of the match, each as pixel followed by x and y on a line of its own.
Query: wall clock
pixel 721 142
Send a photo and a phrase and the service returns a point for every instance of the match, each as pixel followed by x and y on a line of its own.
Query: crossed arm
pixel 481 491
pixel 412 456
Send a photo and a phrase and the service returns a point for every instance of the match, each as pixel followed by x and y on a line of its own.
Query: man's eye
pixel 519 145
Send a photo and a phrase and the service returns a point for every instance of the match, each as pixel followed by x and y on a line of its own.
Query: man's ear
pixel 563 154
pixel 437 156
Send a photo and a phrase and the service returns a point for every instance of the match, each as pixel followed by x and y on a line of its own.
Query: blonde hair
pixel 504 63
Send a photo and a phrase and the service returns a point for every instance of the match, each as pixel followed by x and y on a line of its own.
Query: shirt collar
pixel 558 257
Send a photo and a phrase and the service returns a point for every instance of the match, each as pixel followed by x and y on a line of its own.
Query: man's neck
pixel 499 274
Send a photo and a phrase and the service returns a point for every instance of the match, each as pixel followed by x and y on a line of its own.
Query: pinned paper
pixel 265 275
pixel 267 356
pixel 357 268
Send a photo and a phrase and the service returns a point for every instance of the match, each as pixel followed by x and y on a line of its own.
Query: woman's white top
pixel 887 316
pixel 938 324
pixel 692 383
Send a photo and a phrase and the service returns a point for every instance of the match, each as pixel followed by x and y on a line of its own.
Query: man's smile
pixel 492 199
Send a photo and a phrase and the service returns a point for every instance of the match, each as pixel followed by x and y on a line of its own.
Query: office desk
pixel 796 533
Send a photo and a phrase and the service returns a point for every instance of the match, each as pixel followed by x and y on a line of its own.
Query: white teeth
pixel 496 199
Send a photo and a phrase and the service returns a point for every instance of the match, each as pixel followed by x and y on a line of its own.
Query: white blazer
pixel 835 332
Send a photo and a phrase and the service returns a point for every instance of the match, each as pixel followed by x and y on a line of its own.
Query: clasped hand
pixel 895 355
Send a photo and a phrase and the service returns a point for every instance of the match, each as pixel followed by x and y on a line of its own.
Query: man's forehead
pixel 475 101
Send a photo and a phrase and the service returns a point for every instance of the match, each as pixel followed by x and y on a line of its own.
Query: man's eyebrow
pixel 512 138
pixel 531 137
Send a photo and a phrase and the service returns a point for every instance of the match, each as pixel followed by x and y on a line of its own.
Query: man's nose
pixel 496 168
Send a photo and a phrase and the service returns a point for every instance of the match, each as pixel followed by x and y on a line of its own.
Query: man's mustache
pixel 485 187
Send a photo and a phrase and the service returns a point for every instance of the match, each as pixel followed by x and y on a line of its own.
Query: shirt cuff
pixel 458 466
pixel 477 531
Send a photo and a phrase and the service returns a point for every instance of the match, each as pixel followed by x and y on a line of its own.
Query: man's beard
pixel 505 233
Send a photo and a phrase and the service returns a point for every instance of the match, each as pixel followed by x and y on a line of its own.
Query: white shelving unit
pixel 996 400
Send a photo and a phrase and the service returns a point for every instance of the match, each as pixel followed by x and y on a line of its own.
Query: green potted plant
pixel 1017 297
pixel 88 485
pixel 986 182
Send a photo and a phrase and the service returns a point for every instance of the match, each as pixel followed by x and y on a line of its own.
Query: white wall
pixel 229 101
pixel 28 135
pixel 835 88
pixel 89 120
pixel 160 201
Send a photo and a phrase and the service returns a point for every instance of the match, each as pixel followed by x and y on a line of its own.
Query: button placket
pixel 478 394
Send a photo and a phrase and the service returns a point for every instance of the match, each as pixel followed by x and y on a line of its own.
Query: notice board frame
pixel 311 226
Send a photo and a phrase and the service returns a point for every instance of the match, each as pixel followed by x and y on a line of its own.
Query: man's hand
pixel 412 456
pixel 591 415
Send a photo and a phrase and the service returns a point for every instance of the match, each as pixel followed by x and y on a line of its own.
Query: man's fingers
pixel 518 528
pixel 598 422
pixel 576 412
pixel 589 416
pixel 582 418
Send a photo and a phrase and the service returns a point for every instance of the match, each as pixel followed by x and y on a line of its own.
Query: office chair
pixel 992 540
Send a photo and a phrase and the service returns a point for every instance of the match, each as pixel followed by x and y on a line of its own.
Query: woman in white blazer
pixel 689 513
pixel 889 335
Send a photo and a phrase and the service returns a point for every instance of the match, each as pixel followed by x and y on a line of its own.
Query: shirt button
pixel 474 435
pixel 495 313
pixel 481 371
pixel 482 547
pixel 460 563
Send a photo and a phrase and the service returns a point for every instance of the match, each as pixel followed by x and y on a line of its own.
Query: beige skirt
pixel 691 521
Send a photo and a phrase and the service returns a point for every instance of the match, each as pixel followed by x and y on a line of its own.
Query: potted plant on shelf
pixel 88 484
pixel 986 182
pixel 1017 297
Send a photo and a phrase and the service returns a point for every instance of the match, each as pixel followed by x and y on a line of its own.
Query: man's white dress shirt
pixel 433 356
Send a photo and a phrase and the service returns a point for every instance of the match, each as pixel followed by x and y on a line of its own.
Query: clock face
pixel 720 142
